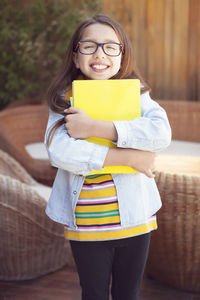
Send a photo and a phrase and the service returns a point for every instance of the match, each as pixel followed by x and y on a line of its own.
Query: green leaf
pixel 33 40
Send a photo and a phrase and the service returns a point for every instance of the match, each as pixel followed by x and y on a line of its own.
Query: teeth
pixel 99 67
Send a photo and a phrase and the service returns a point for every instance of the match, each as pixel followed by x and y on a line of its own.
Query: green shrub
pixel 33 40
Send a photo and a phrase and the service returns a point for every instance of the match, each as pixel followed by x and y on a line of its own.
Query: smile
pixel 99 67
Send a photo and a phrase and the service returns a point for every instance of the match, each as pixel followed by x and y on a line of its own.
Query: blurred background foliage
pixel 33 39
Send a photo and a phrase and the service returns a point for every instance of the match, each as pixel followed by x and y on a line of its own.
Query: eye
pixel 111 46
pixel 87 45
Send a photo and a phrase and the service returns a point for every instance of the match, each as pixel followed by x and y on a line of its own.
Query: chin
pixel 100 77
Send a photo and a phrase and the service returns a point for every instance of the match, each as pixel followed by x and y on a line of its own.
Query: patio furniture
pixel 21 126
pixel 174 254
pixel 31 244
pixel 25 101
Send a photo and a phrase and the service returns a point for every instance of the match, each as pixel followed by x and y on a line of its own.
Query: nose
pixel 99 52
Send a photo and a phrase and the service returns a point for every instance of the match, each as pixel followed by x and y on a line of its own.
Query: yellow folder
pixel 109 100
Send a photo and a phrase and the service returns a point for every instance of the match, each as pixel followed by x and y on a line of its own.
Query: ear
pixel 75 60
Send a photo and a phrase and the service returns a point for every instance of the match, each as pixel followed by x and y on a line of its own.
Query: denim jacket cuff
pixel 122 133
pixel 97 158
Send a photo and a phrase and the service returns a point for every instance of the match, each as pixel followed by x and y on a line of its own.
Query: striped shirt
pixel 97 213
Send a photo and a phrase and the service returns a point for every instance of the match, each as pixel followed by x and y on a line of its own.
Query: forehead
pixel 100 33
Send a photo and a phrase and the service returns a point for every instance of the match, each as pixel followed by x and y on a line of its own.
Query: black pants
pixel 124 260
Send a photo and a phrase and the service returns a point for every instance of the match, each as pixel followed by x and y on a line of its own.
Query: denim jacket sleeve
pixel 74 155
pixel 150 132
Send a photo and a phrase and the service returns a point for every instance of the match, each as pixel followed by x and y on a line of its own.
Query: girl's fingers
pixel 149 173
pixel 72 110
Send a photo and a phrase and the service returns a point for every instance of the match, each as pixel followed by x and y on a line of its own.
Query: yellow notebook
pixel 109 100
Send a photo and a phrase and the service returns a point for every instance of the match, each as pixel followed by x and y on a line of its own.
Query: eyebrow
pixel 94 40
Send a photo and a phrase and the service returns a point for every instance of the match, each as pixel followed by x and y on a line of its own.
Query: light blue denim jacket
pixel 138 195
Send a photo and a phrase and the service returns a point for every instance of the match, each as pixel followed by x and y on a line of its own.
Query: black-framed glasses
pixel 90 47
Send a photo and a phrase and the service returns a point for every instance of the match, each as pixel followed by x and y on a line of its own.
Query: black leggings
pixel 124 259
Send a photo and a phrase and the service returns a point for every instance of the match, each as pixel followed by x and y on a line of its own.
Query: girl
pixel 108 218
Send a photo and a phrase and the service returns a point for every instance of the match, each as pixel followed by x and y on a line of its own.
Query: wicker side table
pixel 174 256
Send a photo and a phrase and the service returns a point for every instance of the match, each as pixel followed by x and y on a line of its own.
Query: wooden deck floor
pixel 64 285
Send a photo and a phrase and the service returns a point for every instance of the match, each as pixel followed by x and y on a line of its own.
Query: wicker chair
pixel 25 101
pixel 174 254
pixel 31 244
pixel 21 126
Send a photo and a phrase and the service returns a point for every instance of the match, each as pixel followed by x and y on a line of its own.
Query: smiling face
pixel 98 65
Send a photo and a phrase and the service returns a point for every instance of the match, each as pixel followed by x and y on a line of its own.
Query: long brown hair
pixel 69 72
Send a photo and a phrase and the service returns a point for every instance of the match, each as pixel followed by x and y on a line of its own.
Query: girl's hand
pixel 143 161
pixel 78 123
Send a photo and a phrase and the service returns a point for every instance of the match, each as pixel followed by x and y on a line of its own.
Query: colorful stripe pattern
pixel 97 213
pixel 97 206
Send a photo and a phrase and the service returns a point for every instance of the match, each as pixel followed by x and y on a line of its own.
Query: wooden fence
pixel 166 38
